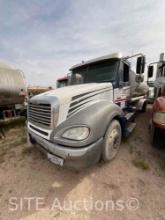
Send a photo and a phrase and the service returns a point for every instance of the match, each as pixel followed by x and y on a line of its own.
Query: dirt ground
pixel 131 187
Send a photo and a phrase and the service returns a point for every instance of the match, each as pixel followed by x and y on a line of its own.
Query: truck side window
pixel 126 73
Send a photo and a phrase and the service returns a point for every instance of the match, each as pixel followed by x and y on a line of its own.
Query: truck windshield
pixel 101 72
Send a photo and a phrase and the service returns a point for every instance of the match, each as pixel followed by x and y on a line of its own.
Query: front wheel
pixel 112 141
pixel 155 138
pixel 144 107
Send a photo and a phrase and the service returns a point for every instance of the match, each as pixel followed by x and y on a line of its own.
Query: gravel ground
pixel 131 187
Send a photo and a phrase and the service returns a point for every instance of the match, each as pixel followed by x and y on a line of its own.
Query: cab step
pixel 131 127
pixel 130 116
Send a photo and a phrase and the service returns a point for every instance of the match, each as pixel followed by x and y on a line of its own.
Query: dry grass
pixel 12 141
pixel 27 151
pixel 131 148
pixel 13 122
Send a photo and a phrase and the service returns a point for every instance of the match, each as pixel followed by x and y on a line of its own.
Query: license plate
pixel 56 160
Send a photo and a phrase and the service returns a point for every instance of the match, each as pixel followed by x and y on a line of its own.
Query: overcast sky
pixel 44 38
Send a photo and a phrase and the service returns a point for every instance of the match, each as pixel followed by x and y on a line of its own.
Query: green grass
pixel 141 164
pixel 27 150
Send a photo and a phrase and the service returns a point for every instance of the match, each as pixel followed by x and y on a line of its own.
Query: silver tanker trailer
pixel 12 91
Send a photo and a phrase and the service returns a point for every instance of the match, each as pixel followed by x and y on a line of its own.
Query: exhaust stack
pixel 162 57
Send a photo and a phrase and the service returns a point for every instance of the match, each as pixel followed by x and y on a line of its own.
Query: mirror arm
pixel 155 63
pixel 135 55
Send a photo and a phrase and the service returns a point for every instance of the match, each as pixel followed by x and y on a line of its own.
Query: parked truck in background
pixel 154 71
pixel 36 90
pixel 84 122
pixel 62 82
pixel 12 92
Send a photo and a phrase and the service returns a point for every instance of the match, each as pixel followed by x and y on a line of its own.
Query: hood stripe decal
pixel 93 93
pixel 78 107
pixel 81 104
pixel 86 93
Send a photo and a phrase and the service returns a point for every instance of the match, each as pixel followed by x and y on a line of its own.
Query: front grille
pixel 40 114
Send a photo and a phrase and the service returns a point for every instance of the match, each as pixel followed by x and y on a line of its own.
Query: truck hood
pixel 66 93
pixel 66 101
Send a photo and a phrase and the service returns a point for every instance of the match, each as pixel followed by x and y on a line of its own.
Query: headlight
pixel 76 133
pixel 159 117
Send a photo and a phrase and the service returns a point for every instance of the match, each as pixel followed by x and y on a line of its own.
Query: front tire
pixel 144 108
pixel 112 141
pixel 155 138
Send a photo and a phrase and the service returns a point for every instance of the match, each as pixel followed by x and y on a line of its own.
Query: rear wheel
pixel 112 141
pixel 156 138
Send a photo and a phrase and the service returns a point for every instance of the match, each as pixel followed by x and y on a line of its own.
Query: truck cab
pixel 154 71
pixel 84 122
pixel 113 70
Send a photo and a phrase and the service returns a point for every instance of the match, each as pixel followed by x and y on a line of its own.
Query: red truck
pixel 62 82
pixel 157 123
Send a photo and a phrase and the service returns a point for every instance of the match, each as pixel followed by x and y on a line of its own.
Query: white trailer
pixel 79 124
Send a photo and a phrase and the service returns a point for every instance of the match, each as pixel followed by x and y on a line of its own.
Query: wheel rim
pixel 113 143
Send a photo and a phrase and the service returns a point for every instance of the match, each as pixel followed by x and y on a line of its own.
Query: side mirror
pixel 150 71
pixel 140 65
pixel 79 78
pixel 76 78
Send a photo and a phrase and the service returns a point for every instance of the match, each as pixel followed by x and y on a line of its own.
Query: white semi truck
pixel 154 71
pixel 84 122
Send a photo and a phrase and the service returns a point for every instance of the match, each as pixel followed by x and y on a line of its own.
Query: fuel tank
pixel 137 88
pixel 12 85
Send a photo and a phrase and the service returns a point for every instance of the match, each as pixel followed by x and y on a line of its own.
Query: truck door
pixel 122 93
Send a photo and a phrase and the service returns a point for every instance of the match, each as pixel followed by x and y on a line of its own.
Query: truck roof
pixel 62 78
pixel 102 58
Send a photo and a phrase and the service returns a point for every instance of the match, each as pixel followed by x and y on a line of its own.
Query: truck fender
pixel 96 116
